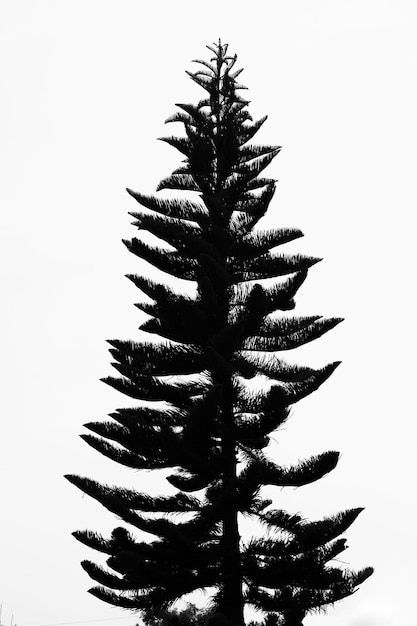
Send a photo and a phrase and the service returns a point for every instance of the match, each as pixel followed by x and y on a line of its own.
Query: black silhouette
pixel 218 338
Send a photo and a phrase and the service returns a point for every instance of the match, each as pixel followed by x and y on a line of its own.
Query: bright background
pixel 85 88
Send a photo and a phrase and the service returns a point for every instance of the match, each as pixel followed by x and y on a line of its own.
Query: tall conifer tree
pixel 212 429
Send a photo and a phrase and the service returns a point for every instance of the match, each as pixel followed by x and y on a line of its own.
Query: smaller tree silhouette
pixel 190 616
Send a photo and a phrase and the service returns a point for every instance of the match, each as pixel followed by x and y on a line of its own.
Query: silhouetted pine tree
pixel 221 337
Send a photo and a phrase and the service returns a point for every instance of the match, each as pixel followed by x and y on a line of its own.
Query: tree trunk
pixel 232 597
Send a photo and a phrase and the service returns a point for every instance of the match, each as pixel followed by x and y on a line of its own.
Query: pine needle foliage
pixel 213 431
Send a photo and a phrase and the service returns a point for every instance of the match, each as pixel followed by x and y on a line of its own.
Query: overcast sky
pixel 85 88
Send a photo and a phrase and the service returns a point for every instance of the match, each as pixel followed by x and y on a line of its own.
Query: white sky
pixel 85 88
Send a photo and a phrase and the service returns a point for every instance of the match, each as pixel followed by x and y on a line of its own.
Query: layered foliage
pixel 212 430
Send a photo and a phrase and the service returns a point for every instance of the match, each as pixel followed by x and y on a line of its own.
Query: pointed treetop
pixel 215 66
